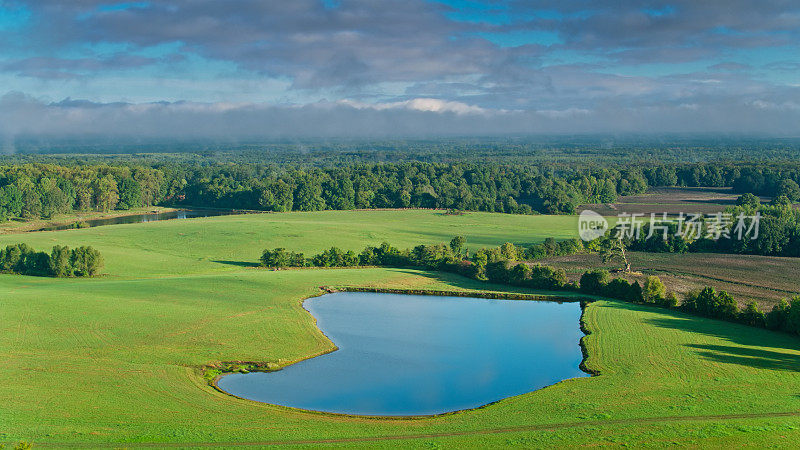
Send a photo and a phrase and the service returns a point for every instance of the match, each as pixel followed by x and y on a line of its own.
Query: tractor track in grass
pixel 365 439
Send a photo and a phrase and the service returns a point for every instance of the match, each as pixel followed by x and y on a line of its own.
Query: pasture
pixel 114 361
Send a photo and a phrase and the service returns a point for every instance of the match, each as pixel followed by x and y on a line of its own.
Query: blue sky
pixel 523 66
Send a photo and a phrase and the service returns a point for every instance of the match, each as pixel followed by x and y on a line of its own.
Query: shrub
pixel 777 318
pixel 61 262
pixel 594 281
pixel 280 257
pixel 753 316
pixel 654 290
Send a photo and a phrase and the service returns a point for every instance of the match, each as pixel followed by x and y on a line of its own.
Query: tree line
pixel 37 190
pixel 508 264
pixel 61 262
pixel 778 232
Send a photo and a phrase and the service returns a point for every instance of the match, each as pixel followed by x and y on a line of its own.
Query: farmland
pixel 764 279
pixel 113 361
pixel 671 200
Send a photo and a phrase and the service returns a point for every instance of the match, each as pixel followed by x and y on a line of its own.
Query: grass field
pixel 112 361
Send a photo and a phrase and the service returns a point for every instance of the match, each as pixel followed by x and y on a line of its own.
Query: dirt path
pixel 544 427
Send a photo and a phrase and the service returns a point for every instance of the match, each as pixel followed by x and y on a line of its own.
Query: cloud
pixel 60 68
pixel 387 66
pixel 423 104
pixel 22 115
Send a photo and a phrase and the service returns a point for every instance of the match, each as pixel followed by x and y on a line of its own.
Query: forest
pixel 45 190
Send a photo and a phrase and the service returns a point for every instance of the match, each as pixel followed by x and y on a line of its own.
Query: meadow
pixel 114 360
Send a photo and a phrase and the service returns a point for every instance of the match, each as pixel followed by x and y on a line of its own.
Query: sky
pixel 277 68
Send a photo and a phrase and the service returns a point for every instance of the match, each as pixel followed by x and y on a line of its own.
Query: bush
pixel 594 281
pixel 654 291
pixel 621 289
pixel 777 318
pixel 61 262
pixel 280 257
pixel 335 257
pixel 753 316
pixel 85 262
pixel 709 303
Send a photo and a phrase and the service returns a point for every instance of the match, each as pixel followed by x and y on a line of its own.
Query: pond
pixel 402 355
pixel 140 218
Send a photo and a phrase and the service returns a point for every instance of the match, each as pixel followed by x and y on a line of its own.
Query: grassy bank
pixel 116 360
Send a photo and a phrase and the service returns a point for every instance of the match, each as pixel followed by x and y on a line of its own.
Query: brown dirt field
pixel 765 279
pixel 704 200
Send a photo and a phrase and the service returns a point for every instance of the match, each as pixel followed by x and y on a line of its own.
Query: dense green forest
pixel 31 190
pixel 581 149
pixel 508 264
pixel 36 190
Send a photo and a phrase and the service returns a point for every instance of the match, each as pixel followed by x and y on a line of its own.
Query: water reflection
pixel 414 355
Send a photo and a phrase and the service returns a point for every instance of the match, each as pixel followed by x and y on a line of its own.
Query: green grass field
pixel 112 361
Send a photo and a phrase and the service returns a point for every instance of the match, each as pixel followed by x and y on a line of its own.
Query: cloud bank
pixel 21 115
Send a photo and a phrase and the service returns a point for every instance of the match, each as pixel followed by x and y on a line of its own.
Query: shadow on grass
pixel 753 357
pixel 777 352
pixel 239 263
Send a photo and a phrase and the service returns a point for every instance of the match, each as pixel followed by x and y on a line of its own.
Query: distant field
pixel 765 279
pixel 113 361
pixel 226 242
pixel 672 201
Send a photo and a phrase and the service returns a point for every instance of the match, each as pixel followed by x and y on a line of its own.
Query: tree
pixel 280 257
pixel 509 251
pixel 792 324
pixel 106 193
pixel 457 245
pixel 86 261
pixel 614 249
pixel 671 300
pixel 594 281
pixel 60 265
pixel 778 316
pixel 790 189
pixel 654 290
pixel 753 316
pixel 748 200
pixel 781 201
pixel 130 194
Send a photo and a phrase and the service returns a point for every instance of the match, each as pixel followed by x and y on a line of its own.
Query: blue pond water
pixel 417 355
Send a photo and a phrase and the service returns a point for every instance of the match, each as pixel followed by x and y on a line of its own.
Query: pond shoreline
pixel 212 373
